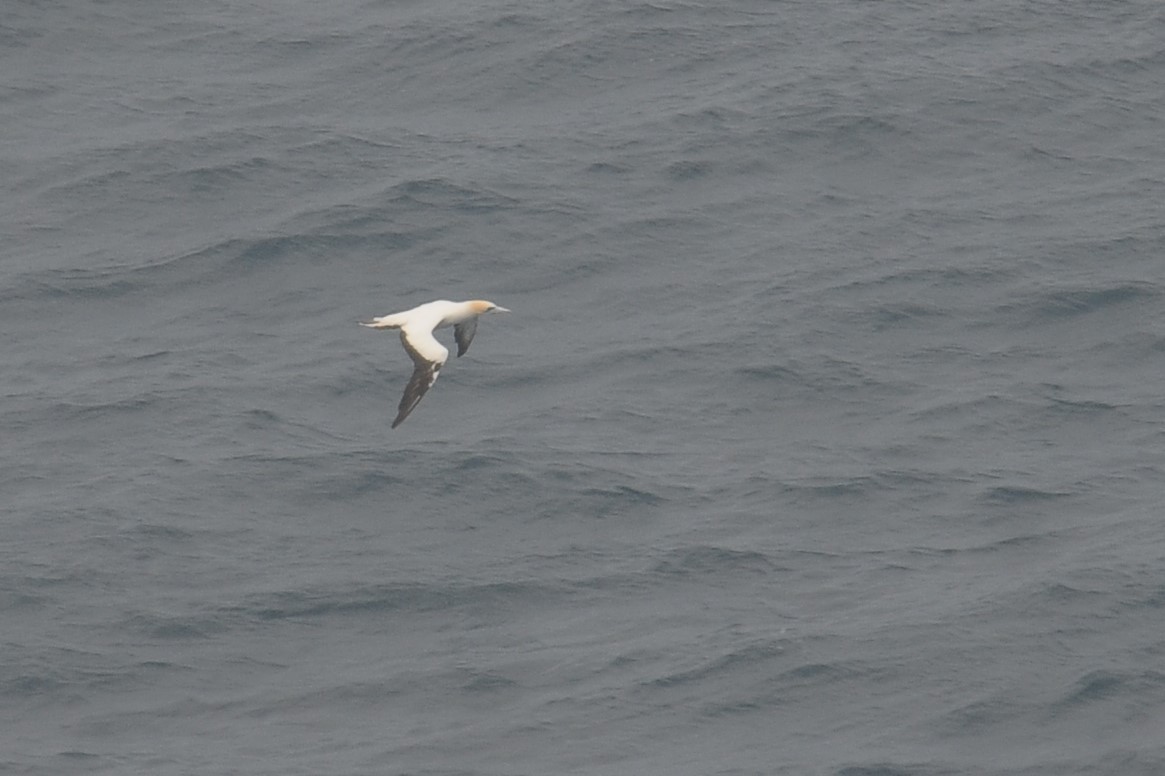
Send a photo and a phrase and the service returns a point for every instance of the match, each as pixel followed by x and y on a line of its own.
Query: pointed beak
pixel 502 310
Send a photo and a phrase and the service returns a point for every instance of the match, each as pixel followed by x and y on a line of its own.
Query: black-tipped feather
pixel 424 375
pixel 463 332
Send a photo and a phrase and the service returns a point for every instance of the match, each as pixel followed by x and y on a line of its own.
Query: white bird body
pixel 416 334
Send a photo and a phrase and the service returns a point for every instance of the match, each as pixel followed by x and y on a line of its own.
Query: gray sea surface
pixel 826 435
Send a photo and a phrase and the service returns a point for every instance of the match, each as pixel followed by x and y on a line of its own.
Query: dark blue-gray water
pixel 826 436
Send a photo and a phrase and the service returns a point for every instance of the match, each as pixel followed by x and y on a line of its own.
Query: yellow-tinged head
pixel 481 306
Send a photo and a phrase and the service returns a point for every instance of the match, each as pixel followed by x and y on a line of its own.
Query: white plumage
pixel 416 334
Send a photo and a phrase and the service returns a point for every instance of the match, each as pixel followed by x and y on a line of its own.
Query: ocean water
pixel 826 435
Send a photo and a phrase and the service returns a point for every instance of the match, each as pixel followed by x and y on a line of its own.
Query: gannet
pixel 428 355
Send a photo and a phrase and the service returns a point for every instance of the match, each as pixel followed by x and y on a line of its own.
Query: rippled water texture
pixel 825 437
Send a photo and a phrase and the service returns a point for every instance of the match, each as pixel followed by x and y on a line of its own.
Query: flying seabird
pixel 428 355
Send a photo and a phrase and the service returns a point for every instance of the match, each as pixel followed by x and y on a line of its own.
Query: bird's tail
pixel 383 322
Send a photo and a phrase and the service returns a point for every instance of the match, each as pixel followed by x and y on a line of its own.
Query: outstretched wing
pixel 422 380
pixel 463 333
pixel 426 367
